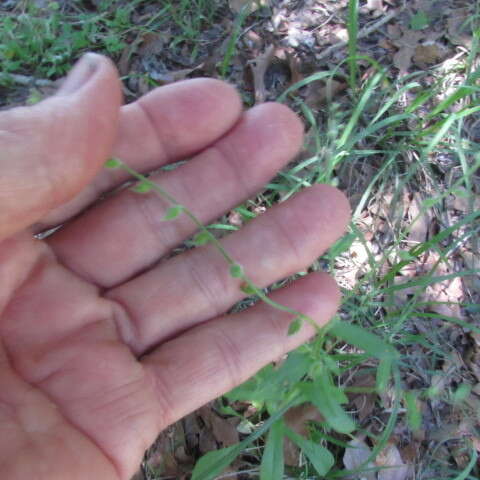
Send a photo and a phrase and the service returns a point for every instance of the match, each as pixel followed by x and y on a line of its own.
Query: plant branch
pixel 236 270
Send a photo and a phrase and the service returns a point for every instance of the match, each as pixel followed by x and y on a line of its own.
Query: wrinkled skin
pixel 102 345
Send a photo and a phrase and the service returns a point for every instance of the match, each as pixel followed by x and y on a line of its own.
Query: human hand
pixel 102 345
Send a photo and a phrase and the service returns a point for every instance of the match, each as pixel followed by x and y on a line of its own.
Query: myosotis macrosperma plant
pixel 321 392
pixel 204 236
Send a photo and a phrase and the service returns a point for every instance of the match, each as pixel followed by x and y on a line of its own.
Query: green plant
pixel 304 379
pixel 204 236
pixel 404 147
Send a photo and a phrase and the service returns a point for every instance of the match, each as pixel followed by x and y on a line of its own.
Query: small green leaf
pixel 434 390
pixel 213 463
pixel 272 466
pixel 236 270
pixel 332 365
pixel 270 383
pixel 419 21
pixel 246 288
pixel 405 255
pixel 142 187
pixel 328 398
pixel 321 459
pixel 201 238
pixel 461 393
pixel 414 416
pixel 173 212
pixel 112 163
pixel 341 245
pixel 384 371
pixel 363 339
pixel 295 326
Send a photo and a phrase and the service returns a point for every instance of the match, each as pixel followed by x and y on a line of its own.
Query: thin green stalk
pixel 236 269
pixel 352 27
pixel 232 42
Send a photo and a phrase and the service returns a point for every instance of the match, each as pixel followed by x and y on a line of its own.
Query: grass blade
pixel 352 28
pixel 321 459
pixel 272 465
pixel 363 339
pixel 213 463
pixel 327 398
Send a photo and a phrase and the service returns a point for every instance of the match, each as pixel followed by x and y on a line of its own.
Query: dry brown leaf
pixel 386 44
pixel 341 34
pixel 297 419
pixel 161 457
pixel 458 27
pixel 318 95
pixel 429 54
pixel 446 431
pixel 138 476
pixel 224 432
pixel 153 43
pixel 394 31
pixel 393 466
pixel 461 457
pixel 403 59
pixel 410 452
pixel 376 7
pixel 253 41
pixel 355 457
pixel 444 297
pixel 192 431
pixel 402 295
pixel 206 441
pixel 421 220
pixel 463 201
pixel 364 402
pixel 407 44
pixel 259 67
pixel 123 64
pixel 450 292
pixel 143 85
pixel 294 65
pixel 174 76
pixel 472 282
pixel 291 453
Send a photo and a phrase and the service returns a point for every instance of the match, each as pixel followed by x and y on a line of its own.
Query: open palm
pixel 106 338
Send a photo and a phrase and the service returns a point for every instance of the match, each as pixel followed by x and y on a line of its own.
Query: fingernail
pixel 80 74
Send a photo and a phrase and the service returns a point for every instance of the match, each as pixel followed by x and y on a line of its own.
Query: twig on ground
pixel 259 68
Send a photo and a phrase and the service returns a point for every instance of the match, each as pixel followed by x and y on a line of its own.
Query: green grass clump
pixel 404 146
pixel 45 42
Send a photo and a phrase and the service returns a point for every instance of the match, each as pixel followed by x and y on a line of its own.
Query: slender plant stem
pixel 248 286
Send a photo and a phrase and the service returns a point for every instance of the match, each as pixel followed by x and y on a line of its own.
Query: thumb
pixel 50 151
